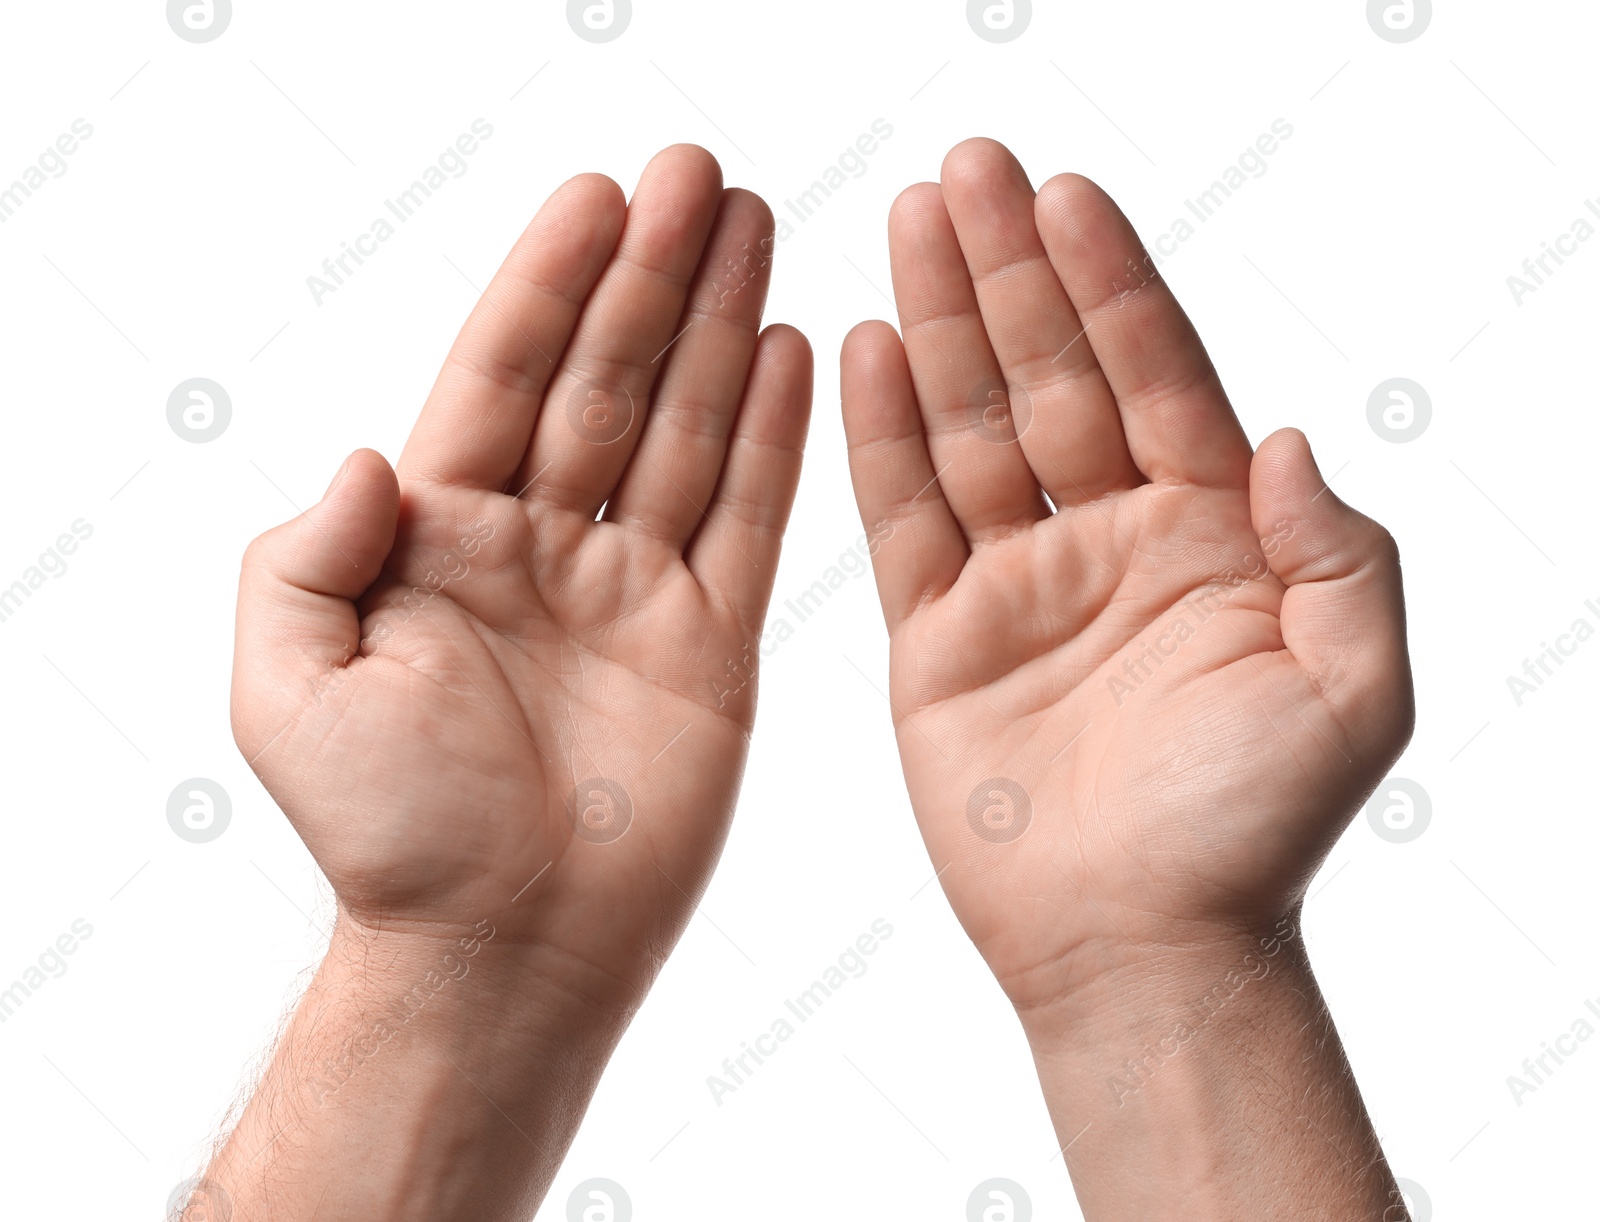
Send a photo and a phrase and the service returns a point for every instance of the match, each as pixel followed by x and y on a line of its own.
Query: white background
pixel 1376 245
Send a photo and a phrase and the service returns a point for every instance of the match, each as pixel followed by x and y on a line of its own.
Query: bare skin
pixel 505 729
pixel 1142 677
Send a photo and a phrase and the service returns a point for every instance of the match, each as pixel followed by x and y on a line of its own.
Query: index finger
pixel 475 427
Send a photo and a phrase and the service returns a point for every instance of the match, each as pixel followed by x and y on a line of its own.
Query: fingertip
pixel 591 208
pixel 978 170
pixel 367 481
pixel 875 388
pixel 1288 437
pixel 977 161
pixel 1286 479
pixel 1079 209
pixel 339 545
pixel 865 339
pixel 674 207
pixel 1321 535
pixel 691 160
pixel 914 203
pixel 1070 188
pixel 688 150
pixel 789 339
pixel 745 200
pixel 601 189
pixel 369 464
pixel 787 351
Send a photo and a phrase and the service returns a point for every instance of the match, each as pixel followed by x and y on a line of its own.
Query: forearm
pixel 429 1076
pixel 1207 1081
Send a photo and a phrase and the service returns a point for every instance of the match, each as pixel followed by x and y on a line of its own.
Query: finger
pixel 916 544
pixel 734 554
pixel 297 625
pixel 597 400
pixel 475 427
pixel 1175 414
pixel 1343 615
pixel 960 389
pixel 674 469
pixel 1069 427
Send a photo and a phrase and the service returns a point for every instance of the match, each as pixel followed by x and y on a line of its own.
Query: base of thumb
pixel 297 620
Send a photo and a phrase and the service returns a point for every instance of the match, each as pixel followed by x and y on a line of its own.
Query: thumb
pixel 1343 616
pixel 296 626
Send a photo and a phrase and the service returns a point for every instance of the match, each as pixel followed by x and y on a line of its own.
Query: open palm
pixel 515 683
pixel 1141 676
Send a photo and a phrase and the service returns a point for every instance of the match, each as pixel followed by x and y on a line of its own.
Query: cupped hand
pixel 1141 675
pixel 513 681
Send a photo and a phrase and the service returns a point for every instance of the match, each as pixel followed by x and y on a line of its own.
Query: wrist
pixel 1211 1055
pixel 1181 976
pixel 465 993
pixel 427 1073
